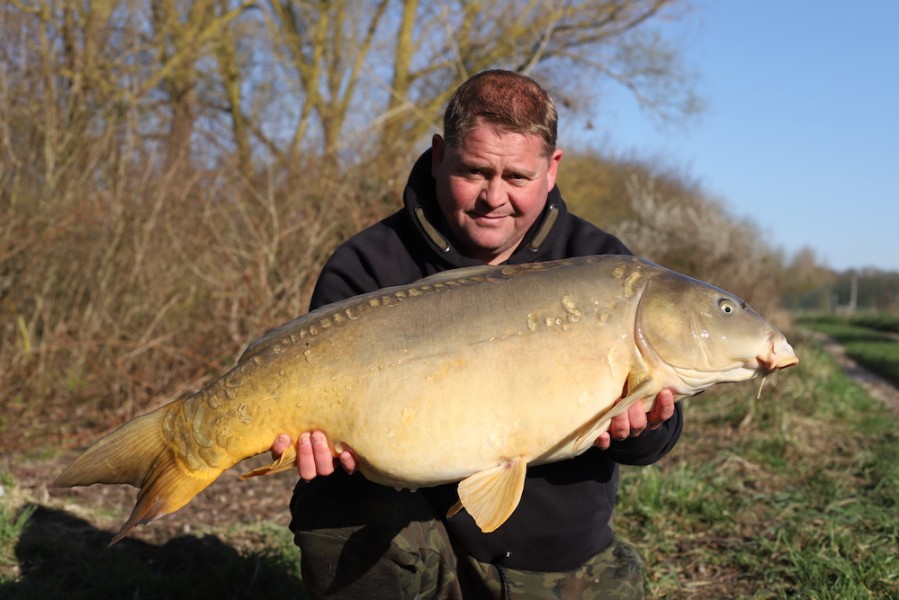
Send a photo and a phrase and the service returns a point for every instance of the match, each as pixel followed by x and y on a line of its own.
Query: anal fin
pixel 285 462
pixel 491 496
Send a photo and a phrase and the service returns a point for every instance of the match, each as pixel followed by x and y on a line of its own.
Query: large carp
pixel 468 375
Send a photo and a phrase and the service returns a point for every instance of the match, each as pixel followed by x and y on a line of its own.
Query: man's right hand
pixel 313 455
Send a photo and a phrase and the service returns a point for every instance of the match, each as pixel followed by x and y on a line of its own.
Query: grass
pixel 14 517
pixel 791 496
pixel 800 501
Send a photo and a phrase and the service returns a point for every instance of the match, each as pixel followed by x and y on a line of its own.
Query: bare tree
pixel 692 233
pixel 344 78
pixel 377 70
pixel 558 42
pixel 807 277
pixel 326 45
pixel 57 75
pixel 233 68
pixel 182 33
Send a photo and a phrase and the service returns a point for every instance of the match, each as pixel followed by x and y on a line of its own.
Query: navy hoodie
pixel 565 512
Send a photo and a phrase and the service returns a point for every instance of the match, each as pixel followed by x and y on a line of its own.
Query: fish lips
pixel 779 355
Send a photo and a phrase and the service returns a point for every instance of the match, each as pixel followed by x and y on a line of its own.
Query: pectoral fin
pixel 491 496
pixel 636 388
pixel 286 462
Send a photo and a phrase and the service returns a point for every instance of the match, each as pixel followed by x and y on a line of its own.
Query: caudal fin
pixel 136 453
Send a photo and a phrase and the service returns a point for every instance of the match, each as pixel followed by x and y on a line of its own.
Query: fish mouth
pixel 779 355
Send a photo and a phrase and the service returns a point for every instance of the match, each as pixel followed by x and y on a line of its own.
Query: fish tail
pixel 137 454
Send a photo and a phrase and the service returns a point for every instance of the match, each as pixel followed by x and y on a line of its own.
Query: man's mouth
pixel 487 217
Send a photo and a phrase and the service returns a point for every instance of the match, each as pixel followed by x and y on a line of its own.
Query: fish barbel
pixel 469 375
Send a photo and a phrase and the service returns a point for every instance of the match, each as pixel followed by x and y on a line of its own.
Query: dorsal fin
pixel 460 273
pixel 325 313
pixel 263 342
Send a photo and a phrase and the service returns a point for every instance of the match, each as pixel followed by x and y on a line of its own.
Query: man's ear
pixel 553 168
pixel 438 152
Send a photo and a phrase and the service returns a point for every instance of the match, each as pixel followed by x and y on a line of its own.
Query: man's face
pixel 491 188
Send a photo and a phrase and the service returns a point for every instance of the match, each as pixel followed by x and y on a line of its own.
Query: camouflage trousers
pixel 615 573
pixel 392 546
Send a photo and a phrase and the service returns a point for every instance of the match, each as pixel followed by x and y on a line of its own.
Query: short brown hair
pixel 509 101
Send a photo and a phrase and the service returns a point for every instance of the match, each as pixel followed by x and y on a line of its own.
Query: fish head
pixel 705 335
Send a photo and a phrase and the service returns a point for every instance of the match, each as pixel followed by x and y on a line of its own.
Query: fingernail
pixel 317 437
pixel 304 439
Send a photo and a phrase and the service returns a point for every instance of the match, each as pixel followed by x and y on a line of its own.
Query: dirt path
pixel 874 385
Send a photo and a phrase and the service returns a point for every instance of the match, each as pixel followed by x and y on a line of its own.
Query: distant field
pixel 872 341
pixel 880 322
pixel 883 322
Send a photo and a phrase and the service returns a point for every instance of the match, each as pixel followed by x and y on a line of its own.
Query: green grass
pixel 802 502
pixel 12 523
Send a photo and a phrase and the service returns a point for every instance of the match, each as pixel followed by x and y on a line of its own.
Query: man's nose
pixel 494 193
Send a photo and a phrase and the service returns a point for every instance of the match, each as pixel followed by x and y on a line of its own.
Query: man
pixel 484 193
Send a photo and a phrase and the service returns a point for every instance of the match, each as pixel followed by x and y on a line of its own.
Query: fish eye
pixel 726 306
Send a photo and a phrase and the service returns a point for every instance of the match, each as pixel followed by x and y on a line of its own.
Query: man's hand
pixel 635 421
pixel 313 455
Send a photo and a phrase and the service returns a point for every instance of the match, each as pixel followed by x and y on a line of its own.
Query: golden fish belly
pixel 432 418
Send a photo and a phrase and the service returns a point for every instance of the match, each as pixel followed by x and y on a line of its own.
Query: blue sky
pixel 801 129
